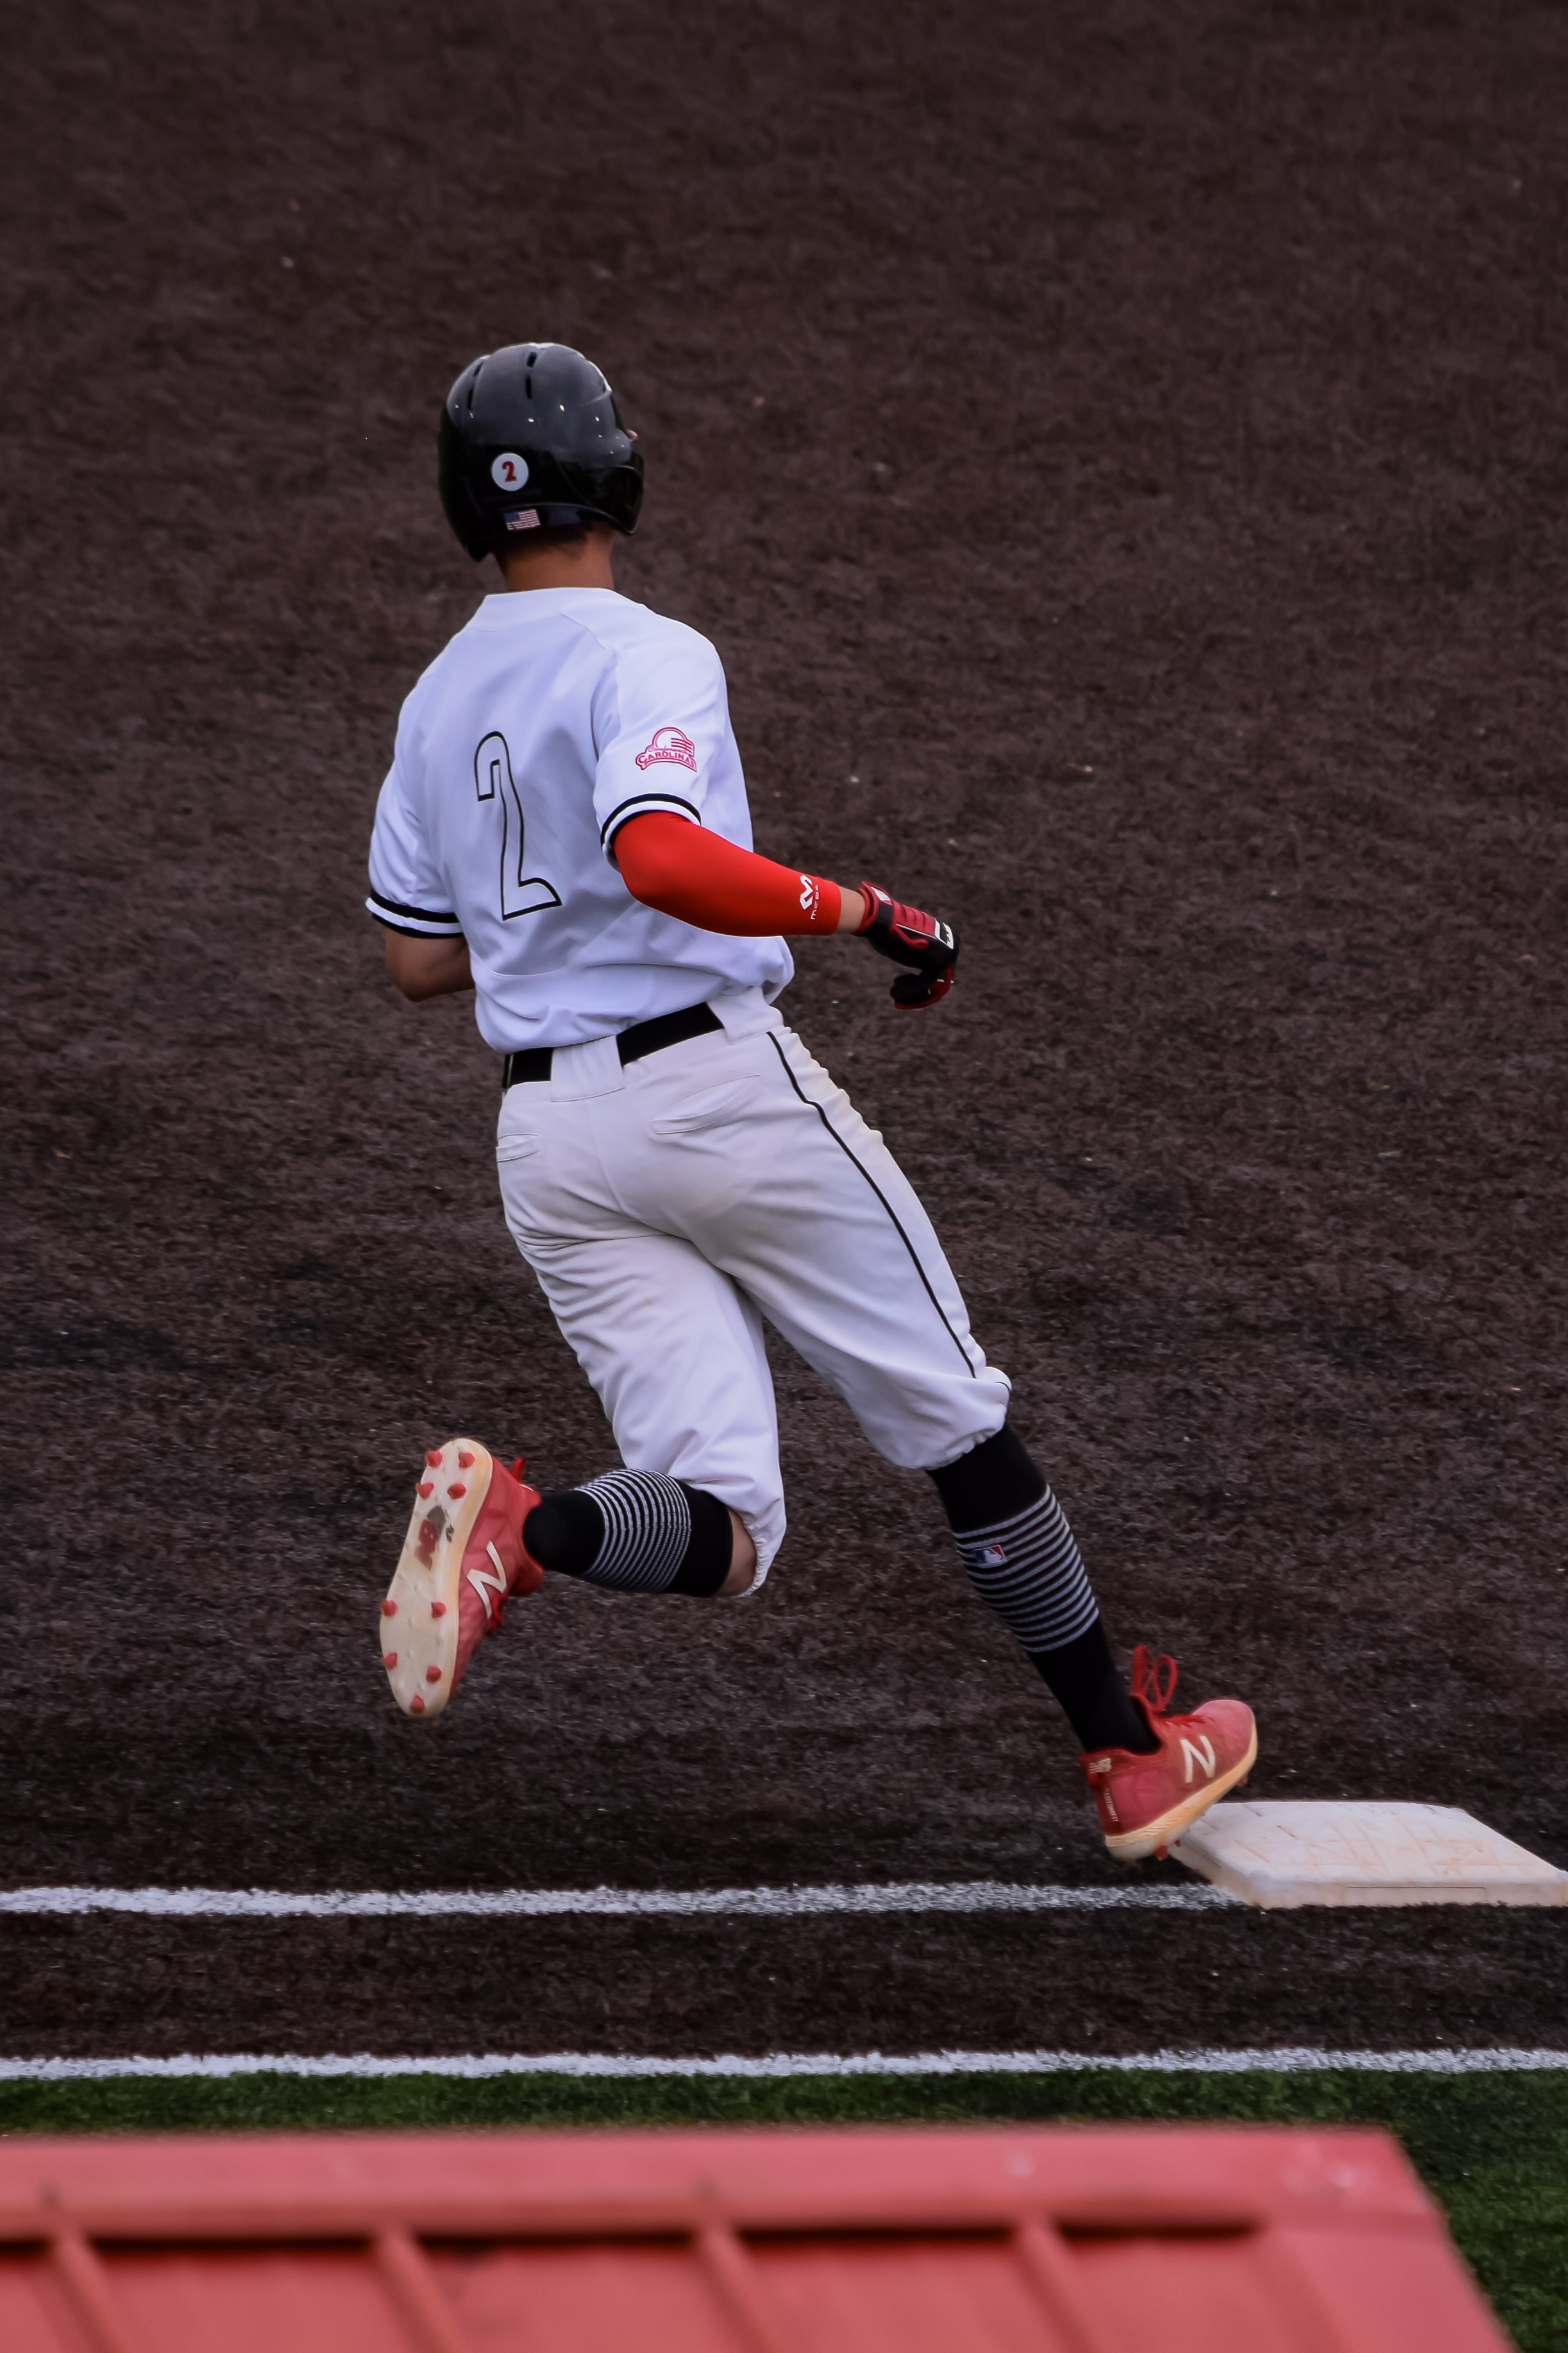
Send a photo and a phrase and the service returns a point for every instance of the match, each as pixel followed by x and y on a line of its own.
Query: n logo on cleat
pixel 484 1584
pixel 1201 1755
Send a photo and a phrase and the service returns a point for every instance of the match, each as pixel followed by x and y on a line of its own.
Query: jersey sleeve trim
pixel 639 805
pixel 419 922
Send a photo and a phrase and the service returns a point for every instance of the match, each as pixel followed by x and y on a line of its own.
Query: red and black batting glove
pixel 924 943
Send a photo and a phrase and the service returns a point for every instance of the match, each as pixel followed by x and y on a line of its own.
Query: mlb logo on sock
pixel 987 1555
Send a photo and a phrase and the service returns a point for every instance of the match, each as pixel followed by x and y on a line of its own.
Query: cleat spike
pixel 465 1462
pixel 415 1705
pixel 426 1487
pixel 434 1461
pixel 437 1610
pixel 389 1659
pixel 389 1607
pixel 457 1489
pixel 432 1674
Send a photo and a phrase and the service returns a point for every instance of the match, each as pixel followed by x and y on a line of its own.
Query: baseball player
pixel 564 830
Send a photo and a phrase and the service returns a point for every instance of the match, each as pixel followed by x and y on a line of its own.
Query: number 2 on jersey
pixel 520 893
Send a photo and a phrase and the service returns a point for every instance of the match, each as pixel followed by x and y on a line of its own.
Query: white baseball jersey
pixel 553 716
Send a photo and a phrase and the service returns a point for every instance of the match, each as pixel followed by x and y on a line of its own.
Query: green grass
pixel 1492 2148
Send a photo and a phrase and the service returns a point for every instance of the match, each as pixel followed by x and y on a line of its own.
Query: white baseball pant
pixel 669 1206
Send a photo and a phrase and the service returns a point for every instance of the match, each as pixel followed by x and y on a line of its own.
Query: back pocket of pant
pixel 714 1107
pixel 517 1147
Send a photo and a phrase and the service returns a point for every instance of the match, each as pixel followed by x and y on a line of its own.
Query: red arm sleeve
pixel 704 880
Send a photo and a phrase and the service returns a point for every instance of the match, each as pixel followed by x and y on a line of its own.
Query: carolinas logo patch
pixel 671 744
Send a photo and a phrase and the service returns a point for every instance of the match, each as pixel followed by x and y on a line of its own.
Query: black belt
pixel 532 1063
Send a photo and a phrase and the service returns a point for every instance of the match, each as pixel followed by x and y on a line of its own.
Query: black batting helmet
pixel 530 440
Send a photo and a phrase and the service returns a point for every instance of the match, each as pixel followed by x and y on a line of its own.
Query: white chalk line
pixel 605 1903
pixel 784 2064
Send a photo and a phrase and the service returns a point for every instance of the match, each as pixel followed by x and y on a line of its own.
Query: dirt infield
pixel 1118 451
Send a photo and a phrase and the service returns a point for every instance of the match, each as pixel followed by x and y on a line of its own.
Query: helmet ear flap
pixel 631 499
pixel 473 531
pixel 470 525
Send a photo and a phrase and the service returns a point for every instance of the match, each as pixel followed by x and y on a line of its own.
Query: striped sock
pixel 648 1528
pixel 1028 1568
pixel 634 1532
pixel 1020 1558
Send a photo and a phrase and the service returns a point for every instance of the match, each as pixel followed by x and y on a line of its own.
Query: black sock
pixel 992 1482
pixel 705 1563
pixel 1020 1558
pixel 1092 1694
pixel 564 1532
pixel 635 1532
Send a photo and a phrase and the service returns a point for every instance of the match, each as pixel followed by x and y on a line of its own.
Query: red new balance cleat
pixel 463 1557
pixel 1145 1801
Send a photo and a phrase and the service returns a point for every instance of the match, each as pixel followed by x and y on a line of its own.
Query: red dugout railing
pixel 1126 2239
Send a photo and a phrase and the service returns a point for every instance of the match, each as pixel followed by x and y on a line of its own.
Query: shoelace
pixel 1153 1679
